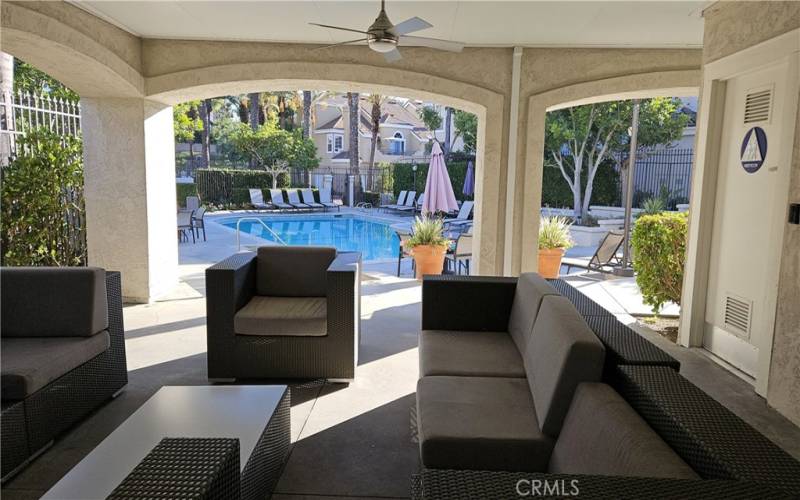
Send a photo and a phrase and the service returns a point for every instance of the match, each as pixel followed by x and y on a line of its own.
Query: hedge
pixel 216 186
pixel 659 249
pixel 557 194
pixel 403 176
pixel 183 190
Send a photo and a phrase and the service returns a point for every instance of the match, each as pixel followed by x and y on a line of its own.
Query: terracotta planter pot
pixel 428 259
pixel 550 262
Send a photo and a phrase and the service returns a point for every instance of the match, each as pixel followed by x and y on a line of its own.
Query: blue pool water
pixel 374 239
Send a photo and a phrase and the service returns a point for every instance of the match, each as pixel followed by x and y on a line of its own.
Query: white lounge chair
pixel 411 197
pixel 308 198
pixel 294 199
pixel 257 199
pixel 412 207
pixel 401 200
pixel 463 215
pixel 326 201
pixel 277 199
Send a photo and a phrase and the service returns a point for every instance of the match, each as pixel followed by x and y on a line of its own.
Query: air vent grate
pixel 757 106
pixel 737 314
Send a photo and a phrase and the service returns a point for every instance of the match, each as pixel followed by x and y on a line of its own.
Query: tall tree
pixel 466 125
pixel 432 119
pixel 186 123
pixel 274 149
pixel 306 113
pixel 254 106
pixel 6 90
pixel 353 119
pixel 205 117
pixel 376 100
pixel 580 138
pixel 448 120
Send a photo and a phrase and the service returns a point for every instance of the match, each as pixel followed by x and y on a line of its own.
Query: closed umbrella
pixel 439 196
pixel 469 180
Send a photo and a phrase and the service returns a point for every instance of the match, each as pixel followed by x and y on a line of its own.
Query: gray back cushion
pixel 531 287
pixel 562 352
pixel 53 301
pixel 603 435
pixel 289 271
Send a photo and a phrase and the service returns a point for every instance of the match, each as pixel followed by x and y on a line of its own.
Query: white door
pixel 750 205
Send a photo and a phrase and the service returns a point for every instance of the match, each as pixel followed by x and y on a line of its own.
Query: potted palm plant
pixel 554 240
pixel 427 245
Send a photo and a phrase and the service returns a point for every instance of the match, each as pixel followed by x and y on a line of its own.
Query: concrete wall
pixel 729 28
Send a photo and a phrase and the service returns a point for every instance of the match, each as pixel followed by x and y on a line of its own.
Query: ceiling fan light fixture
pixel 382 45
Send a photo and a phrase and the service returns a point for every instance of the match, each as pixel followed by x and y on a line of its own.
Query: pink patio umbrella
pixel 439 196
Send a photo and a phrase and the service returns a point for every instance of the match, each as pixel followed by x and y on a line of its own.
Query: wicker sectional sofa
pixel 628 428
pixel 63 354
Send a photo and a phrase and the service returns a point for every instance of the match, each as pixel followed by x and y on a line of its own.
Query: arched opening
pixel 398 144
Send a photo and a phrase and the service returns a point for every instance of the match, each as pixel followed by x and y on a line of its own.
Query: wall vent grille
pixel 737 314
pixel 757 106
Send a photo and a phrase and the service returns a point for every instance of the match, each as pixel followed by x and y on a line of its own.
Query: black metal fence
pixel 376 180
pixel 661 171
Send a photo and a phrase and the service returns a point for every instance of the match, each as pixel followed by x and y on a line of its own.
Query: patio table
pixel 257 415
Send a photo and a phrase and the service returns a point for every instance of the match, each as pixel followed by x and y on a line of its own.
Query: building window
pixel 398 144
pixel 335 143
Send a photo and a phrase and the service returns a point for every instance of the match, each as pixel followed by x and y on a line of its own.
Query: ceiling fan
pixel 384 37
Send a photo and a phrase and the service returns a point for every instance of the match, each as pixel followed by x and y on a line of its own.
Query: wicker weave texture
pixel 626 347
pixel 487 485
pixel 14 436
pixel 183 469
pixel 584 305
pixel 709 437
pixel 264 467
pixel 230 285
pixel 467 303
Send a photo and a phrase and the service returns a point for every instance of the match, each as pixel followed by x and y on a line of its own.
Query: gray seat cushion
pixel 53 301
pixel 28 364
pixel 562 352
pixel 289 271
pixel 480 423
pixel 283 316
pixel 531 287
pixel 603 435
pixel 480 354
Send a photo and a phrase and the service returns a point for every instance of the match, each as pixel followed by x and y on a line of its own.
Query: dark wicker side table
pixel 185 469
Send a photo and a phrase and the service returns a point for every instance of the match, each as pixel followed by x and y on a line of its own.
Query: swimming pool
pixel 375 239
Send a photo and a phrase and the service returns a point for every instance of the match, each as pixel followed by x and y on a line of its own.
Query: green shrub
pixel 653 206
pixel 373 198
pixel 184 190
pixel 659 248
pixel 605 190
pixel 43 216
pixel 216 186
pixel 427 231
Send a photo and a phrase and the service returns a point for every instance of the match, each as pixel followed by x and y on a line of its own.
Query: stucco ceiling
pixel 477 23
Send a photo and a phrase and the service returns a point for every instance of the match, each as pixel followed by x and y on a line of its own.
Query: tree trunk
pixel 448 117
pixel 205 116
pixel 7 90
pixel 255 110
pixel 306 113
pixel 352 101
pixel 191 155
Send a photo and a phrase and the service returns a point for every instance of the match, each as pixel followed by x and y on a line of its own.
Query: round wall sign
pixel 754 149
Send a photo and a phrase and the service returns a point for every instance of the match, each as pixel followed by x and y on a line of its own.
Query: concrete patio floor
pixel 349 441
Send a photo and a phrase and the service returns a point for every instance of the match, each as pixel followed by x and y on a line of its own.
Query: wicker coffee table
pixel 257 415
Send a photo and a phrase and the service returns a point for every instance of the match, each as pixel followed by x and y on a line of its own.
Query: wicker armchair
pixel 285 312
pixel 53 317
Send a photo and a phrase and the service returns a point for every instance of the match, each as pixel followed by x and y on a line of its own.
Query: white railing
pixel 256 219
pixel 23 111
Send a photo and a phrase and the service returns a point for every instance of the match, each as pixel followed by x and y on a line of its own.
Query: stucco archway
pixel 656 84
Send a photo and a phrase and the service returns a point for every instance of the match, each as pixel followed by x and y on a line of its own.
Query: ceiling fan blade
pixel 433 43
pixel 392 56
pixel 410 26
pixel 341 43
pixel 338 28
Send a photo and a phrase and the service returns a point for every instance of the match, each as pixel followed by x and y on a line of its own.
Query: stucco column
pixel 129 156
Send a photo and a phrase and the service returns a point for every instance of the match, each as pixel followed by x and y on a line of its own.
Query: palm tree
pixel 448 119
pixel 353 109
pixel 7 89
pixel 255 109
pixel 205 116
pixel 377 101
pixel 306 113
